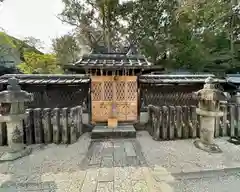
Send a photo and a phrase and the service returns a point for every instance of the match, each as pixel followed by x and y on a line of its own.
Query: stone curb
pixel 207 173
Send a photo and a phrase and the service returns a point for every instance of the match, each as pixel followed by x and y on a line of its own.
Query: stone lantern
pixel 208 109
pixel 13 112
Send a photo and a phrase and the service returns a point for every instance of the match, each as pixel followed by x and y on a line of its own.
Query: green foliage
pixel 66 49
pixel 198 35
pixel 39 63
pixel 9 55
pixel 7 45
pixel 33 42
pixel 5 39
pixel 151 27
pixel 12 52
pixel 96 21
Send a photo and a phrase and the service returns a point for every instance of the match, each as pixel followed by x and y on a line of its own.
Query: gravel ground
pixel 223 183
pixel 182 156
pixel 50 160
pixel 187 169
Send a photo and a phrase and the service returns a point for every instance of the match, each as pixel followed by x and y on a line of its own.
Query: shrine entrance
pixel 114 93
pixel 114 89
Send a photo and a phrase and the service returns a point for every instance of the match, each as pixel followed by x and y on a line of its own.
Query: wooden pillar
pixel 113 121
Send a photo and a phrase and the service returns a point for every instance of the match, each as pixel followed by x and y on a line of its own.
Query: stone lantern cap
pixel 209 92
pixel 14 93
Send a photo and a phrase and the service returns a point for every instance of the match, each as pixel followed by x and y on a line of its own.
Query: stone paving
pixel 118 165
pixel 87 166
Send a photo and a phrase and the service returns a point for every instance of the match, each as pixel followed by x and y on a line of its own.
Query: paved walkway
pixel 87 166
pixel 117 165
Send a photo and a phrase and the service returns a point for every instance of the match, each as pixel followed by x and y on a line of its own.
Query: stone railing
pixel 45 125
pixel 182 122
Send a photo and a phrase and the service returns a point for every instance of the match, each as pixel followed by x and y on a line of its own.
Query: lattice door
pixel 106 90
pixel 126 98
pixel 102 96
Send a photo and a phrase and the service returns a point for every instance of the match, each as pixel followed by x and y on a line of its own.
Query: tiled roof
pixel 113 60
pixel 74 79
pixel 45 79
pixel 233 78
pixel 187 78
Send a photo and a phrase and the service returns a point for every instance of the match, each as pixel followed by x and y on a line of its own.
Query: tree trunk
pixel 109 29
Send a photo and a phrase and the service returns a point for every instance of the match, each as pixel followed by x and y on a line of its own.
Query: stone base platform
pixel 122 131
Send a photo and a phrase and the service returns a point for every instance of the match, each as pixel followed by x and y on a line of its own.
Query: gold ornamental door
pixel 126 98
pixel 120 91
pixel 102 97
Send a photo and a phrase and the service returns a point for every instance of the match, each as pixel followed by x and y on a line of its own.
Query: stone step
pixel 122 131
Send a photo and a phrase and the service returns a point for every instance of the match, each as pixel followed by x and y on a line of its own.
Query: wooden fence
pixel 182 122
pixel 45 125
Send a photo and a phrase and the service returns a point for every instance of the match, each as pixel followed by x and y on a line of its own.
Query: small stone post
pixel 237 122
pixel 237 96
pixel 209 108
pixel 13 112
